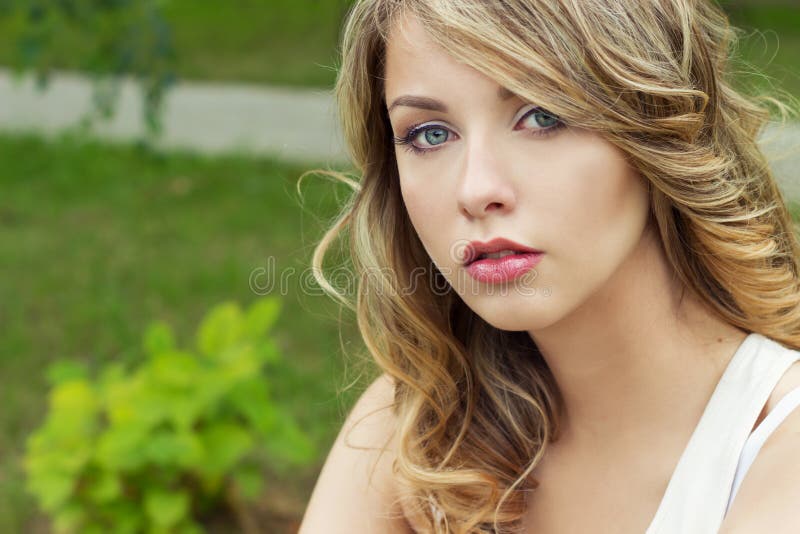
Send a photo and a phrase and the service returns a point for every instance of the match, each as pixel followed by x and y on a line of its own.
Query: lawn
pixel 281 42
pixel 770 43
pixel 294 42
pixel 97 241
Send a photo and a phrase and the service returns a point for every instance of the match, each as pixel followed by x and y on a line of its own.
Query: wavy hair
pixel 476 406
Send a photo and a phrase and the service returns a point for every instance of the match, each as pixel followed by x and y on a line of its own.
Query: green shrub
pixel 183 433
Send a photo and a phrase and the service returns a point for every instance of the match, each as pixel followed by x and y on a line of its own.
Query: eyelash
pixel 413 131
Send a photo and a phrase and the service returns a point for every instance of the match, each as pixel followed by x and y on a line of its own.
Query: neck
pixel 652 361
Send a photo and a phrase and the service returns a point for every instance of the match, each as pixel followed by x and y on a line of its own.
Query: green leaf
pixel 128 517
pixel 261 315
pixel 225 444
pixel 73 410
pixel 166 508
pixel 69 518
pixel 73 397
pixel 189 527
pixel 65 370
pixel 122 448
pixel 251 400
pixel 250 481
pixel 52 489
pixel 135 401
pixel 112 373
pixel 93 529
pixel 50 451
pixel 174 368
pixel 158 338
pixel 121 399
pixel 186 410
pixel 240 363
pixel 221 328
pixel 287 442
pixel 106 488
pixel 168 448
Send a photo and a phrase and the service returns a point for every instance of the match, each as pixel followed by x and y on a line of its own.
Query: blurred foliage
pixel 184 432
pixel 98 240
pixel 107 39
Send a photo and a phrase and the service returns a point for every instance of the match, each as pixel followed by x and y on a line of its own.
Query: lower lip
pixel 505 269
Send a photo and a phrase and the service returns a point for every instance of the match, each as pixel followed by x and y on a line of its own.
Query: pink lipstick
pixel 499 260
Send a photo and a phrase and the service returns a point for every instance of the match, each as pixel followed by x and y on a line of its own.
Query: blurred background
pixel 167 363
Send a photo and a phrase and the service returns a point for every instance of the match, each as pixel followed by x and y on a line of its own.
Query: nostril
pixel 494 205
pixel 479 210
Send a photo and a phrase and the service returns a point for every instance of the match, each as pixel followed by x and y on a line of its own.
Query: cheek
pixel 595 203
pixel 418 204
pixel 422 193
pixel 424 210
pixel 622 204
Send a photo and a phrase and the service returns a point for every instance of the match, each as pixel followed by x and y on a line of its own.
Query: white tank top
pixel 721 448
pixel 774 418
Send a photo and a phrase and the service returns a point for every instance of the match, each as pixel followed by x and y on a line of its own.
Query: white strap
pixel 697 495
pixel 774 418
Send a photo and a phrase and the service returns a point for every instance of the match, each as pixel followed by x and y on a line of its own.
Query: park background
pixel 102 236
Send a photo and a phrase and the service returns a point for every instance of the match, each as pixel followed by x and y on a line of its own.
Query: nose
pixel 484 185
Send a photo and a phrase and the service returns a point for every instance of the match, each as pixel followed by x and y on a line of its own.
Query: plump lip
pixel 475 248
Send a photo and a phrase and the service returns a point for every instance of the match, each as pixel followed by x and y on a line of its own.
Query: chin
pixel 515 316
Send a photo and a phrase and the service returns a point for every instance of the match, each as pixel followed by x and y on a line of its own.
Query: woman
pixel 578 276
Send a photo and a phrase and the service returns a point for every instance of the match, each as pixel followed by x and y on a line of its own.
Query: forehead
pixel 407 35
pixel 416 63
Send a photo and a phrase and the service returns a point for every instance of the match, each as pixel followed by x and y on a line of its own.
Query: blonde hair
pixel 476 406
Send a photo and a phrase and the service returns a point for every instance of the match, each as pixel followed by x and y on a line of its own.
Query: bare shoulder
pixel 355 490
pixel 767 500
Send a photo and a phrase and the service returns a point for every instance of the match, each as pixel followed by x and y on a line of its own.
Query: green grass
pixel 294 42
pixel 284 42
pixel 279 42
pixel 97 241
pixel 770 44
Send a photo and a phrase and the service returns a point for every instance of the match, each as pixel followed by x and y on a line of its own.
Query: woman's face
pixel 477 163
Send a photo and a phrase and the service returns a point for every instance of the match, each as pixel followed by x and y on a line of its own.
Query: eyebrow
pixel 431 104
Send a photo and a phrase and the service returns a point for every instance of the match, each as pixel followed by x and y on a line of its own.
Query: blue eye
pixel 425 138
pixel 538 118
pixel 435 136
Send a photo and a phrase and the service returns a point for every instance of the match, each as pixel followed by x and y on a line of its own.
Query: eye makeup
pixel 428 134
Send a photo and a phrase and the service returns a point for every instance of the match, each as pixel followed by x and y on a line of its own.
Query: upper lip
pixel 476 248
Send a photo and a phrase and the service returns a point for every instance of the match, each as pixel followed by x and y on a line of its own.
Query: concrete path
pixel 292 124
pixel 781 144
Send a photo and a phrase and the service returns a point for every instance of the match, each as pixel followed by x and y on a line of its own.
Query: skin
pixel 636 358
